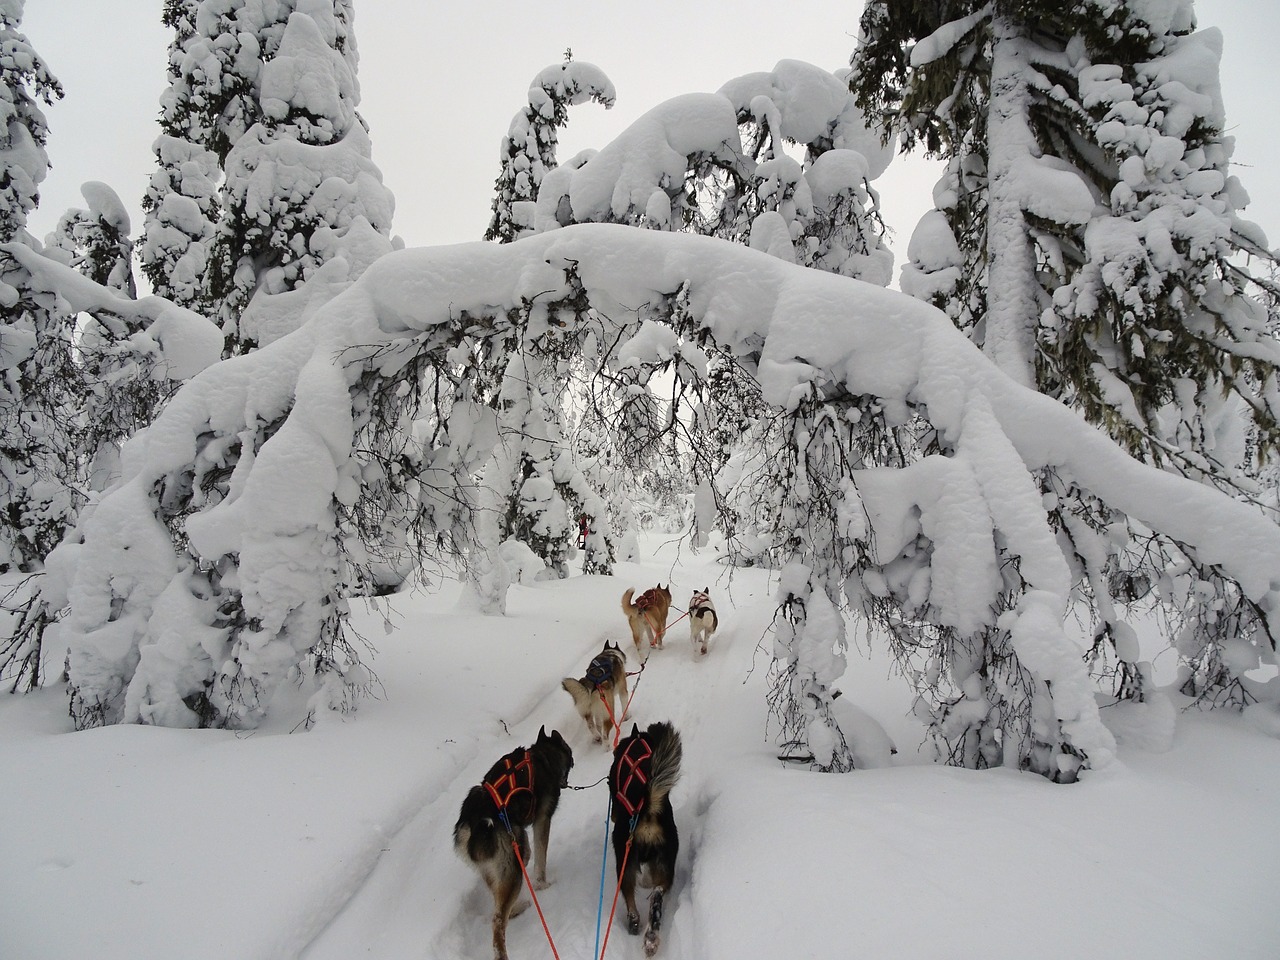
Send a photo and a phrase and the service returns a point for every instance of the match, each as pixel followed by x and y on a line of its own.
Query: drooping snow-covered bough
pixel 245 475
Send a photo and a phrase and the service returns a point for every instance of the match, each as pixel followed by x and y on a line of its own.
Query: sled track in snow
pixel 446 909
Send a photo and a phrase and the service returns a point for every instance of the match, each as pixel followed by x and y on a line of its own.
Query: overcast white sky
pixel 441 81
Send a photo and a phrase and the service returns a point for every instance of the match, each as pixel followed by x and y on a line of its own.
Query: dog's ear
pixel 707 591
pixel 542 733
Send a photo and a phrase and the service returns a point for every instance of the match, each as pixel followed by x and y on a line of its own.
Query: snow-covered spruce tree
pixel 68 397
pixel 304 212
pixel 24 81
pixel 300 189
pixel 268 93
pixel 37 399
pixel 529 147
pixel 1087 163
pixel 81 395
pixel 180 205
pixel 1087 236
pixel 181 210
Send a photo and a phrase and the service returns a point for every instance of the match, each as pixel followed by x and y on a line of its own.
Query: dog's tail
pixel 475 835
pixel 627 606
pixel 576 689
pixel 664 772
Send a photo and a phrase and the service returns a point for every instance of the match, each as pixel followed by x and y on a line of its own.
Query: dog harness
pixel 600 671
pixel 514 782
pixel 643 602
pixel 647 599
pixel 699 605
pixel 632 775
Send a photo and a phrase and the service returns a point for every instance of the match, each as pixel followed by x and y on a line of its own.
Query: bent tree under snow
pixel 251 475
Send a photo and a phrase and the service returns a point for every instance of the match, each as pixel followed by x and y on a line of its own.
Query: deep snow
pixel 133 842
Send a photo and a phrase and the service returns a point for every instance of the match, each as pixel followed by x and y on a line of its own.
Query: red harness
pixel 632 776
pixel 643 602
pixel 515 780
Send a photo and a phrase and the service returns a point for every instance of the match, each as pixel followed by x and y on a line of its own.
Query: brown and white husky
pixel 647 617
pixel 601 695
pixel 702 620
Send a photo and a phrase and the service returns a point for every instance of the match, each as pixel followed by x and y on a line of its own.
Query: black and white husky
pixel 520 790
pixel 601 695
pixel 702 620
pixel 645 768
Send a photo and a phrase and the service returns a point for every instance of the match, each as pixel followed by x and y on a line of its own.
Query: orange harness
pixel 643 602
pixel 633 776
pixel 516 779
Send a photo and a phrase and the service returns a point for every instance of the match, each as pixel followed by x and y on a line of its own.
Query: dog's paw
pixel 650 943
pixel 541 883
pixel 520 906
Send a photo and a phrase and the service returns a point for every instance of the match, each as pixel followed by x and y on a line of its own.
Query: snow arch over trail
pixel 238 489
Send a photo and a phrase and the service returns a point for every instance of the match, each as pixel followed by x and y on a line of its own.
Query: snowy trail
pixel 336 844
pixel 421 901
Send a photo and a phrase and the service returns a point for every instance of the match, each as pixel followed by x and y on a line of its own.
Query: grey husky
pixel 601 695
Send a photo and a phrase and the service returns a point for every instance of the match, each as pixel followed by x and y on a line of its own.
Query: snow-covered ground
pixel 134 843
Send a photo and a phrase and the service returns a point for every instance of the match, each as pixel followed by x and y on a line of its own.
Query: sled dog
pixel 647 617
pixel 702 620
pixel 645 768
pixel 601 695
pixel 521 790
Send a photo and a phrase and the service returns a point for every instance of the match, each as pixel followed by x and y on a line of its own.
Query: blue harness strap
pixel 600 671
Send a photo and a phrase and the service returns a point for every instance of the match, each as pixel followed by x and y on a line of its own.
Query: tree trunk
pixel 1012 309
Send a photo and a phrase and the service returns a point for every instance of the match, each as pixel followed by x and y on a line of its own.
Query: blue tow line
pixel 604 860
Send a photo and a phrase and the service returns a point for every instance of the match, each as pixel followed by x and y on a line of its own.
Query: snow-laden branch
pixel 943 40
pixel 287 408
pixel 185 341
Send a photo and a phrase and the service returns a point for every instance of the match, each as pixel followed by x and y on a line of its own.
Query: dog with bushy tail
pixel 646 766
